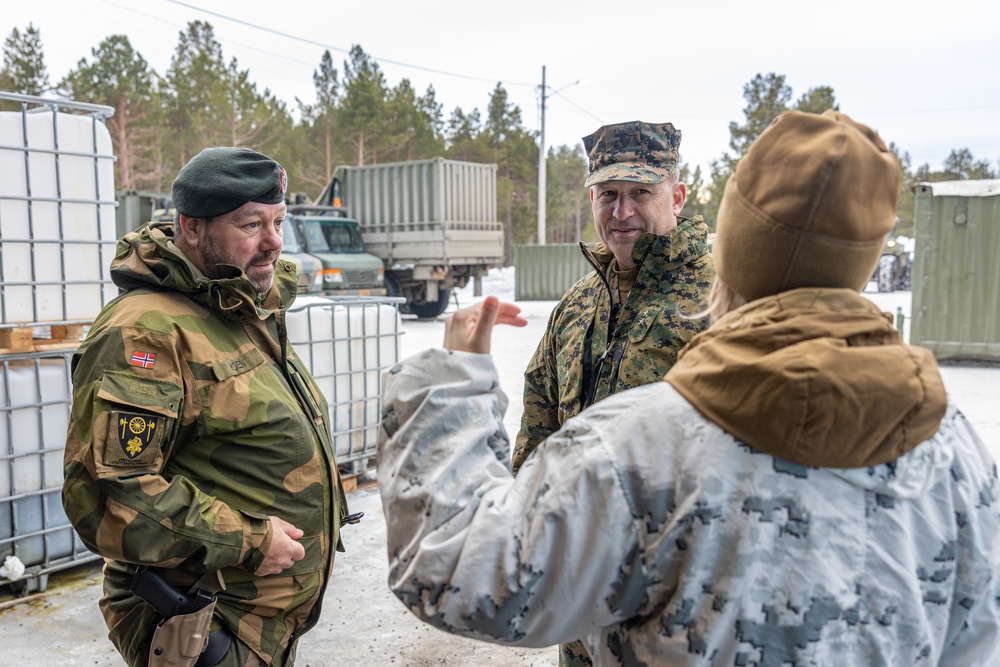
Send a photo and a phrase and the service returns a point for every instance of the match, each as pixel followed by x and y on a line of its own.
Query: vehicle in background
pixel 308 268
pixel 894 267
pixel 137 207
pixel 163 212
pixel 431 223
pixel 335 241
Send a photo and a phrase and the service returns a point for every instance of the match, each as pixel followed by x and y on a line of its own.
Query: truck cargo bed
pixel 433 211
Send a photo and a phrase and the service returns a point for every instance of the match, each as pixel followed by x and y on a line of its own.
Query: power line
pixel 250 47
pixel 578 107
pixel 311 42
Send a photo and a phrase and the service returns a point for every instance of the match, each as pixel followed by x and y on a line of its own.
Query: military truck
pixel 893 270
pixel 334 239
pixel 307 267
pixel 432 224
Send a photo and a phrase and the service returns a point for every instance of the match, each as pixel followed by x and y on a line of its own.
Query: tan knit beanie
pixel 809 205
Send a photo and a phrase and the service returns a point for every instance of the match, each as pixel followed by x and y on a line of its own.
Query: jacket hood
pixel 147 257
pixel 685 242
pixel 814 376
pixel 908 476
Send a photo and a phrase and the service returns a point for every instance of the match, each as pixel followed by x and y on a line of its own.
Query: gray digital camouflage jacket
pixel 595 346
pixel 193 420
pixel 661 539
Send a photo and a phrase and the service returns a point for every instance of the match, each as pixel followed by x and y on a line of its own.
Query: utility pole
pixel 541 169
pixel 542 156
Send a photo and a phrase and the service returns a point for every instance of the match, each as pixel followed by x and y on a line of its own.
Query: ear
pixel 680 195
pixel 191 231
pixel 591 191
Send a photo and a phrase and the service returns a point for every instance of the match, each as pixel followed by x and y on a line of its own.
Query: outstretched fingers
pixel 470 329
pixel 508 313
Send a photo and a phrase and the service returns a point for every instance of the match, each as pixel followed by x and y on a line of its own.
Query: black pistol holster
pixel 182 638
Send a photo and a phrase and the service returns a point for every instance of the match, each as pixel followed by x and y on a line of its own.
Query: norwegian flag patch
pixel 143 359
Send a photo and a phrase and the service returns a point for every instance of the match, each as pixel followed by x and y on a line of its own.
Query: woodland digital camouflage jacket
pixel 192 421
pixel 661 539
pixel 594 346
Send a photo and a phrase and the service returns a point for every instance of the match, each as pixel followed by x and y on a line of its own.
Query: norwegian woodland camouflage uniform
pixel 193 420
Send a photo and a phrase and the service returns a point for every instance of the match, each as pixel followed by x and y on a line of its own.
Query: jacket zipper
pixel 592 374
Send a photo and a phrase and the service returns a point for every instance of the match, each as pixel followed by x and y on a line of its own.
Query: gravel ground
pixel 362 622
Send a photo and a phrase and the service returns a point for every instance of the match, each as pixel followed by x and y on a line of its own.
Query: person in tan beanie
pixel 798 491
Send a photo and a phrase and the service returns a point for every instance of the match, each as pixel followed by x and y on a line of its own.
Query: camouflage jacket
pixel 192 421
pixel 594 346
pixel 661 539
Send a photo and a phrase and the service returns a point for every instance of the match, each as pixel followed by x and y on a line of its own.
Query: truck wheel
pixel 431 309
pixel 392 289
pixel 887 273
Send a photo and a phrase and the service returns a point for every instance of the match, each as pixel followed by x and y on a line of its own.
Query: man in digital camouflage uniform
pixel 199 443
pixel 798 492
pixel 622 325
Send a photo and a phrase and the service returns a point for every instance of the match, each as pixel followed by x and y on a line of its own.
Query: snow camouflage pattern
pixel 696 551
pixel 674 277
pixel 231 443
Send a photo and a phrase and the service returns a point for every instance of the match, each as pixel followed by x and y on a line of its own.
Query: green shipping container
pixel 545 272
pixel 135 208
pixel 956 273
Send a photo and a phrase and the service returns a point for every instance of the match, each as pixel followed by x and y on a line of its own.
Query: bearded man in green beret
pixel 199 461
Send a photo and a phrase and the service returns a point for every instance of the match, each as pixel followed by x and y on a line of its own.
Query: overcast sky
pixel 924 74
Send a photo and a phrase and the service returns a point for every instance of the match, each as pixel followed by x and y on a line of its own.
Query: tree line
pixel 357 117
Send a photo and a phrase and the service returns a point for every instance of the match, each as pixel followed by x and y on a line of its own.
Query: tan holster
pixel 178 641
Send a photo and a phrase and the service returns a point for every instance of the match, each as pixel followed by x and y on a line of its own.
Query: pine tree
pixel 364 104
pixel 120 77
pixel 23 69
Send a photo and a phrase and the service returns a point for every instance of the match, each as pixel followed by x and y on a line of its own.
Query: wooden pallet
pixel 358 481
pixel 19 340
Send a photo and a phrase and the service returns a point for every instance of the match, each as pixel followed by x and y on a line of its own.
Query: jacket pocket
pixel 141 415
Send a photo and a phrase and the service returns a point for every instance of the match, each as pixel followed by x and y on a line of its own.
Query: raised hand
pixel 469 329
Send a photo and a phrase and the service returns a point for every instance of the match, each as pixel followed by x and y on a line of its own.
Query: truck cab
pixel 307 267
pixel 335 240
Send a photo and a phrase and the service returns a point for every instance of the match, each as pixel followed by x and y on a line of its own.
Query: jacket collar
pixel 688 240
pixel 814 376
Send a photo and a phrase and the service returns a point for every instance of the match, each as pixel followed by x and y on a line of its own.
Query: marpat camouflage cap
pixel 633 151
pixel 221 179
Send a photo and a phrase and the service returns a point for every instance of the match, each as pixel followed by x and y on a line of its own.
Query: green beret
pixel 634 151
pixel 219 180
